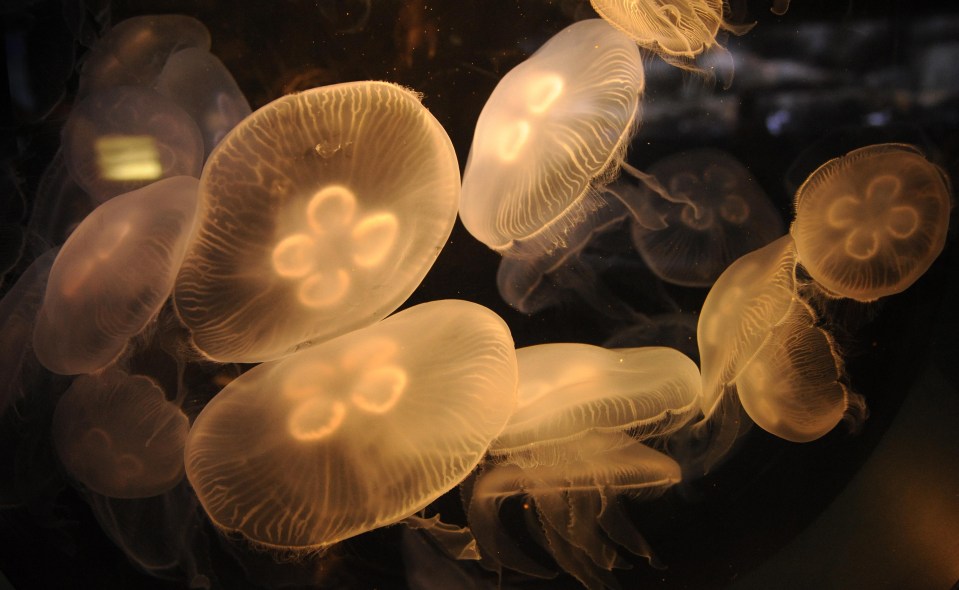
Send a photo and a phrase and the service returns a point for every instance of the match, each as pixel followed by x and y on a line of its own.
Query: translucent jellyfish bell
pixel 318 214
pixel 714 213
pixel 870 223
pixel 554 128
pixel 567 390
pixel 355 433
pixel 119 436
pixel 112 276
pixel 123 138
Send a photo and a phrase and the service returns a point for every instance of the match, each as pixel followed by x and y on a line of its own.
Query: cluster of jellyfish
pixel 221 236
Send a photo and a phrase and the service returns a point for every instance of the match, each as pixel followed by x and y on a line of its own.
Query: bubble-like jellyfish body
pixel 318 214
pixel 113 274
pixel 205 89
pixel 567 390
pixel 553 130
pixel 119 436
pixel 123 138
pixel 357 432
pixel 870 223
pixel 573 509
pixel 676 30
pixel 716 213
pixel 18 311
pixel 791 386
pixel 134 52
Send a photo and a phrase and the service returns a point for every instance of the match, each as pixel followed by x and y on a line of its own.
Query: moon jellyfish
pixel 355 433
pixel 112 275
pixel 554 130
pixel 134 52
pixel 319 214
pixel 715 214
pixel 205 89
pixel 676 30
pixel 572 505
pixel 791 386
pixel 573 446
pixel 868 224
pixel 123 138
pixel 119 436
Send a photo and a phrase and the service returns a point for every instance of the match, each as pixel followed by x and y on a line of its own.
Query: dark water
pixel 878 508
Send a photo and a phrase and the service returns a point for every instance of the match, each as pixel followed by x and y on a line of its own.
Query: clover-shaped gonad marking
pixel 873 217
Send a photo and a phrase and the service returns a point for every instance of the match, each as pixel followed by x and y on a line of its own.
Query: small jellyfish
pixel 791 387
pixel 357 432
pixel 124 138
pixel 552 132
pixel 573 446
pixel 715 214
pixel 676 30
pixel 112 275
pixel 119 436
pixel 205 89
pixel 870 223
pixel 134 52
pixel 572 505
pixel 319 214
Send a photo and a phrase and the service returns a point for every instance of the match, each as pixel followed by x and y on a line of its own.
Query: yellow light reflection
pixel 128 157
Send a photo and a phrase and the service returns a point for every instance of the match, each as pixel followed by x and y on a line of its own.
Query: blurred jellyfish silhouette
pixel 674 330
pixel 870 223
pixel 119 436
pixel 112 276
pixel 552 133
pixel 676 30
pixel 712 213
pixel 573 447
pixel 314 221
pixel 355 433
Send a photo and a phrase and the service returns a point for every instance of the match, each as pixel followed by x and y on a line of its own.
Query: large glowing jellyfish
pixel 573 447
pixel 318 214
pixel 870 223
pixel 355 433
pixel 113 274
pixel 715 214
pixel 552 133
pixel 119 436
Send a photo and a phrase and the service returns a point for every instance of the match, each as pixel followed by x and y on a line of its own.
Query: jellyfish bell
pixel 112 276
pixel 119 436
pixel 554 128
pixel 123 138
pixel 567 390
pixel 319 214
pixel 715 214
pixel 134 52
pixel 357 432
pixel 870 223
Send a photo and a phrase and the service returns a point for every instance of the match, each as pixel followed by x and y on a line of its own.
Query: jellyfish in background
pixel 119 436
pixel 123 138
pixel 676 30
pixel 112 275
pixel 355 433
pixel 870 223
pixel 573 447
pixel 318 215
pixel 552 132
pixel 713 214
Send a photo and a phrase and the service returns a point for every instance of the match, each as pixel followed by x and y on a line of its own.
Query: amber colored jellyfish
pixel 112 276
pixel 119 436
pixel 715 214
pixel 318 214
pixel 551 134
pixel 870 223
pixel 357 432
pixel 573 445
pixel 676 30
